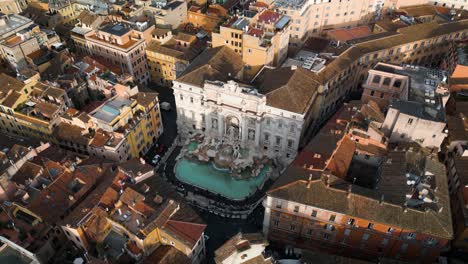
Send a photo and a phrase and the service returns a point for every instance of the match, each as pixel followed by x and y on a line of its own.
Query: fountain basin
pixel 205 176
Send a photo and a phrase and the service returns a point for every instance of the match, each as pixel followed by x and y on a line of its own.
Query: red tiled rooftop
pixel 268 16
pixel 191 232
pixel 259 4
pixel 342 34
pixel 341 159
pixel 255 32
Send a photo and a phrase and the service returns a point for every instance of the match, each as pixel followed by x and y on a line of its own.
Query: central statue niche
pixel 232 129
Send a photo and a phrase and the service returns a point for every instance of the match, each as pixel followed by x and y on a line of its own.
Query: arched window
pixel 387 81
pixel 376 79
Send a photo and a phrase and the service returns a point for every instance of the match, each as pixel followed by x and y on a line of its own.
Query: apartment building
pixel 120 44
pixel 12 6
pixel 19 36
pixel 455 4
pixel 169 13
pixel 261 39
pixel 29 108
pixel 457 178
pixel 420 44
pixel 206 18
pixel 12 24
pixel 421 117
pixel 67 9
pixel 168 56
pixel 385 83
pixel 325 201
pixel 16 48
pixel 313 17
pixel 137 118
pixel 243 248
pixel 88 19
pixel 145 222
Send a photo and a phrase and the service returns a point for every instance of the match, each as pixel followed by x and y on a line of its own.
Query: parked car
pixel 156 159
pixel 165 106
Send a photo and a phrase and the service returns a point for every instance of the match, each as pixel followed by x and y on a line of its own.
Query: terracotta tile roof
pixel 422 10
pixel 215 64
pixel 167 255
pixel 72 133
pixel 291 90
pixel 28 172
pixel 133 248
pixel 87 17
pixel 11 99
pixel 402 36
pixel 256 32
pixel 317 154
pixel 349 34
pixel 189 232
pixel 97 226
pixel 46 109
pixel 143 209
pixel 54 201
pixel 268 16
pixel 131 197
pixel 91 200
pixel 135 167
pixel 145 98
pixel 341 159
pixel 8 83
pixel 109 198
pixel 231 246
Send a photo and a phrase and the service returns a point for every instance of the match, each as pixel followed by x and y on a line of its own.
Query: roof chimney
pixel 327 180
pixel 350 189
pixel 381 199
pixel 310 181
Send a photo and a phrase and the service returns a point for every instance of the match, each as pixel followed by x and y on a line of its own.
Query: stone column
pixel 221 125
pixel 243 130
pixel 257 132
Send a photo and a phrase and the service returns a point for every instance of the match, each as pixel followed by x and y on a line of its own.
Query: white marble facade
pixel 236 111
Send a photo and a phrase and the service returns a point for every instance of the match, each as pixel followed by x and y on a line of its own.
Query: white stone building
pixel 269 117
pixel 422 118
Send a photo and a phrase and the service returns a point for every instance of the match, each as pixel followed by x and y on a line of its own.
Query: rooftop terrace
pixel 10 23
pixel 111 109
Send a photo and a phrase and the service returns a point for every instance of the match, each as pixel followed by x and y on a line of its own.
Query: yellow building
pixel 137 118
pixel 12 6
pixel 261 40
pixel 145 219
pixel 67 10
pixel 169 55
pixel 22 112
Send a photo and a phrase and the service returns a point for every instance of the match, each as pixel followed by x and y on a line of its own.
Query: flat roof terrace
pixel 12 23
pixel 125 46
pixel 115 29
pixel 111 109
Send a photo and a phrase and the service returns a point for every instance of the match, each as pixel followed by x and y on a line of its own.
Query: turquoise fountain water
pixel 205 176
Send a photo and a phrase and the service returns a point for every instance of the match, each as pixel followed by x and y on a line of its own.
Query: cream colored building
pixel 261 40
pixel 120 44
pixel 15 48
pixel 456 4
pixel 173 13
pixel 312 17
pixel 169 55
pixel 12 6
